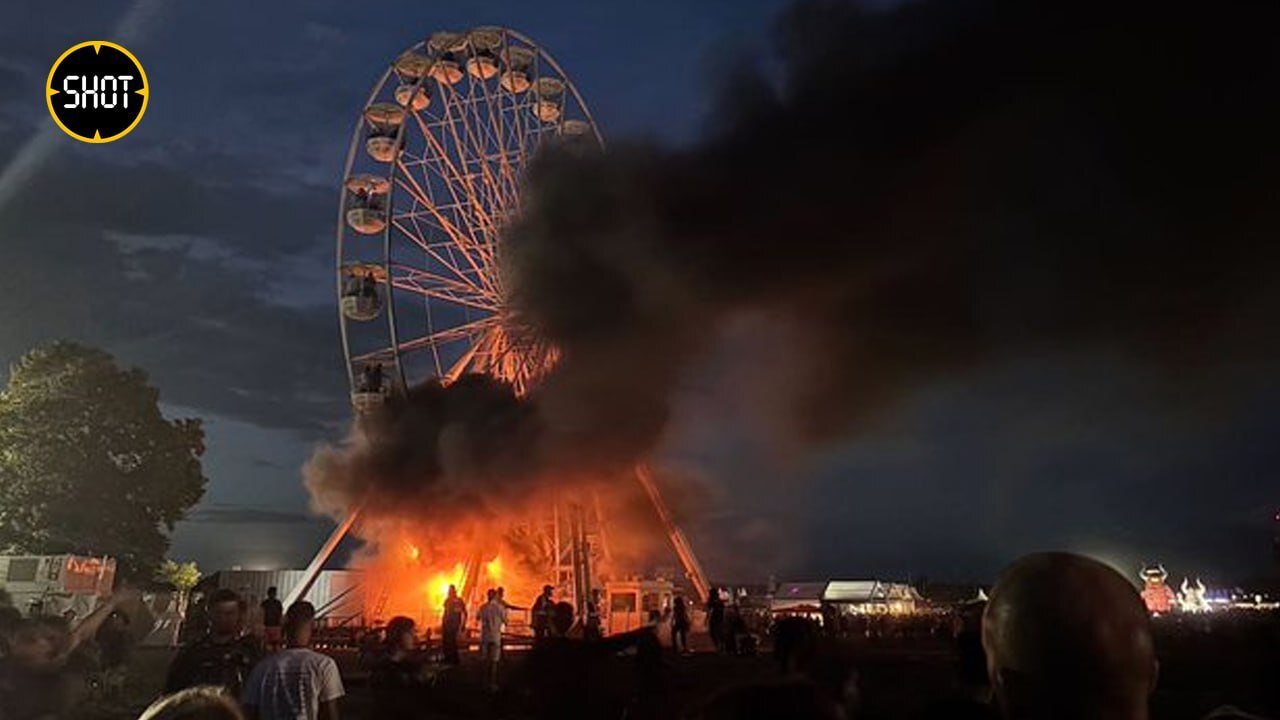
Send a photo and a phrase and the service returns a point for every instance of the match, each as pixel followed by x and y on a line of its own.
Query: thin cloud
pixel 244 515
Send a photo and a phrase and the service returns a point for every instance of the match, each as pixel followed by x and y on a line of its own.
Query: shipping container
pixel 337 595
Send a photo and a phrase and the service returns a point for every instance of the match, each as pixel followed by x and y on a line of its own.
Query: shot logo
pixel 97 91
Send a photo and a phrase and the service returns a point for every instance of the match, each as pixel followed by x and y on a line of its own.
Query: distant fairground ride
pixel 432 174
pixel 1156 593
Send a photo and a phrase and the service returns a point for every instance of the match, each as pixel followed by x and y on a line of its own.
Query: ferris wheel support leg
pixel 679 542
pixel 470 589
pixel 312 572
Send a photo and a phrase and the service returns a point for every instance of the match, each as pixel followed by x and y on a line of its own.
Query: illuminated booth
pixel 632 604
pixel 1156 594
pixel 851 597
pixel 873 597
pixel 798 599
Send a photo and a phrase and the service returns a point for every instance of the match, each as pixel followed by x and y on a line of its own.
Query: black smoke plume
pixel 922 191
pixel 431 453
pixel 928 189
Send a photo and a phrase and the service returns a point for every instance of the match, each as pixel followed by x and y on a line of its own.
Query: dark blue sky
pixel 201 246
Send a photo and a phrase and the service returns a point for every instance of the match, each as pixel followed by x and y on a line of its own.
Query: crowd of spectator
pixel 1061 636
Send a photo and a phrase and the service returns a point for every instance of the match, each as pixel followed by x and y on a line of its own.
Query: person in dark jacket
pixel 540 614
pixel 453 620
pixel 114 648
pixel 223 656
pixel 680 625
pixel 399 681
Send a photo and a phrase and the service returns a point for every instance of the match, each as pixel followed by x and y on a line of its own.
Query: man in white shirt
pixel 296 683
pixel 493 617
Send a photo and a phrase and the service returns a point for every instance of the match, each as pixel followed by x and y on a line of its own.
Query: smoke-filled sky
pixel 947 298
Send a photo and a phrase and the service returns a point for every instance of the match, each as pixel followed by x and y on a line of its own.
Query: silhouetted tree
pixel 87 462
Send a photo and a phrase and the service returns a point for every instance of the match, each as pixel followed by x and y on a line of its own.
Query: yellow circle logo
pixel 97 91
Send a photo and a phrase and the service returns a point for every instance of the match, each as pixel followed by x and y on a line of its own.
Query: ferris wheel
pixel 432 175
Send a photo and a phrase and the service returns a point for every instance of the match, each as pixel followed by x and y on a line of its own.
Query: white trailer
pixel 57 584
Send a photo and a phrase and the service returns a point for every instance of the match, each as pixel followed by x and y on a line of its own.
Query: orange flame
pixel 409 562
pixel 437 588
pixel 414 579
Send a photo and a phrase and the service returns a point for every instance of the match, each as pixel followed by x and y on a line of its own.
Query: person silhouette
pixel 1068 637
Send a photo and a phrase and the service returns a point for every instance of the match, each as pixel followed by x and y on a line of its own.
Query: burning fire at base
pixel 402 595
pixel 411 562
pixel 410 571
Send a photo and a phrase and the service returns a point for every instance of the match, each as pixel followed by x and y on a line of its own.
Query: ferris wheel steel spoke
pixel 421 235
pixel 465 300
pixel 452 267
pixel 491 130
pixel 478 150
pixel 475 150
pixel 490 351
pixel 461 238
pixel 430 217
pixel 381 355
pixel 415 189
pixel 460 179
pixel 436 256
pixel 493 122
pixel 446 173
pixel 415 236
pixel 461 332
pixel 504 183
pixel 477 133
pixel 437 294
pixel 431 211
pixel 412 274
pixel 460 365
pixel 419 277
pixel 445 162
pixel 453 178
pixel 481 304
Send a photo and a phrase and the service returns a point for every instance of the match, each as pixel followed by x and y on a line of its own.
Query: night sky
pixel 200 248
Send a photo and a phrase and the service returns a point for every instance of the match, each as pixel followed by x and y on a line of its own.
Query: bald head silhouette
pixel 1068 637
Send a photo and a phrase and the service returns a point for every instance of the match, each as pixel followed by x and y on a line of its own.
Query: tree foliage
pixel 182 576
pixel 88 464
